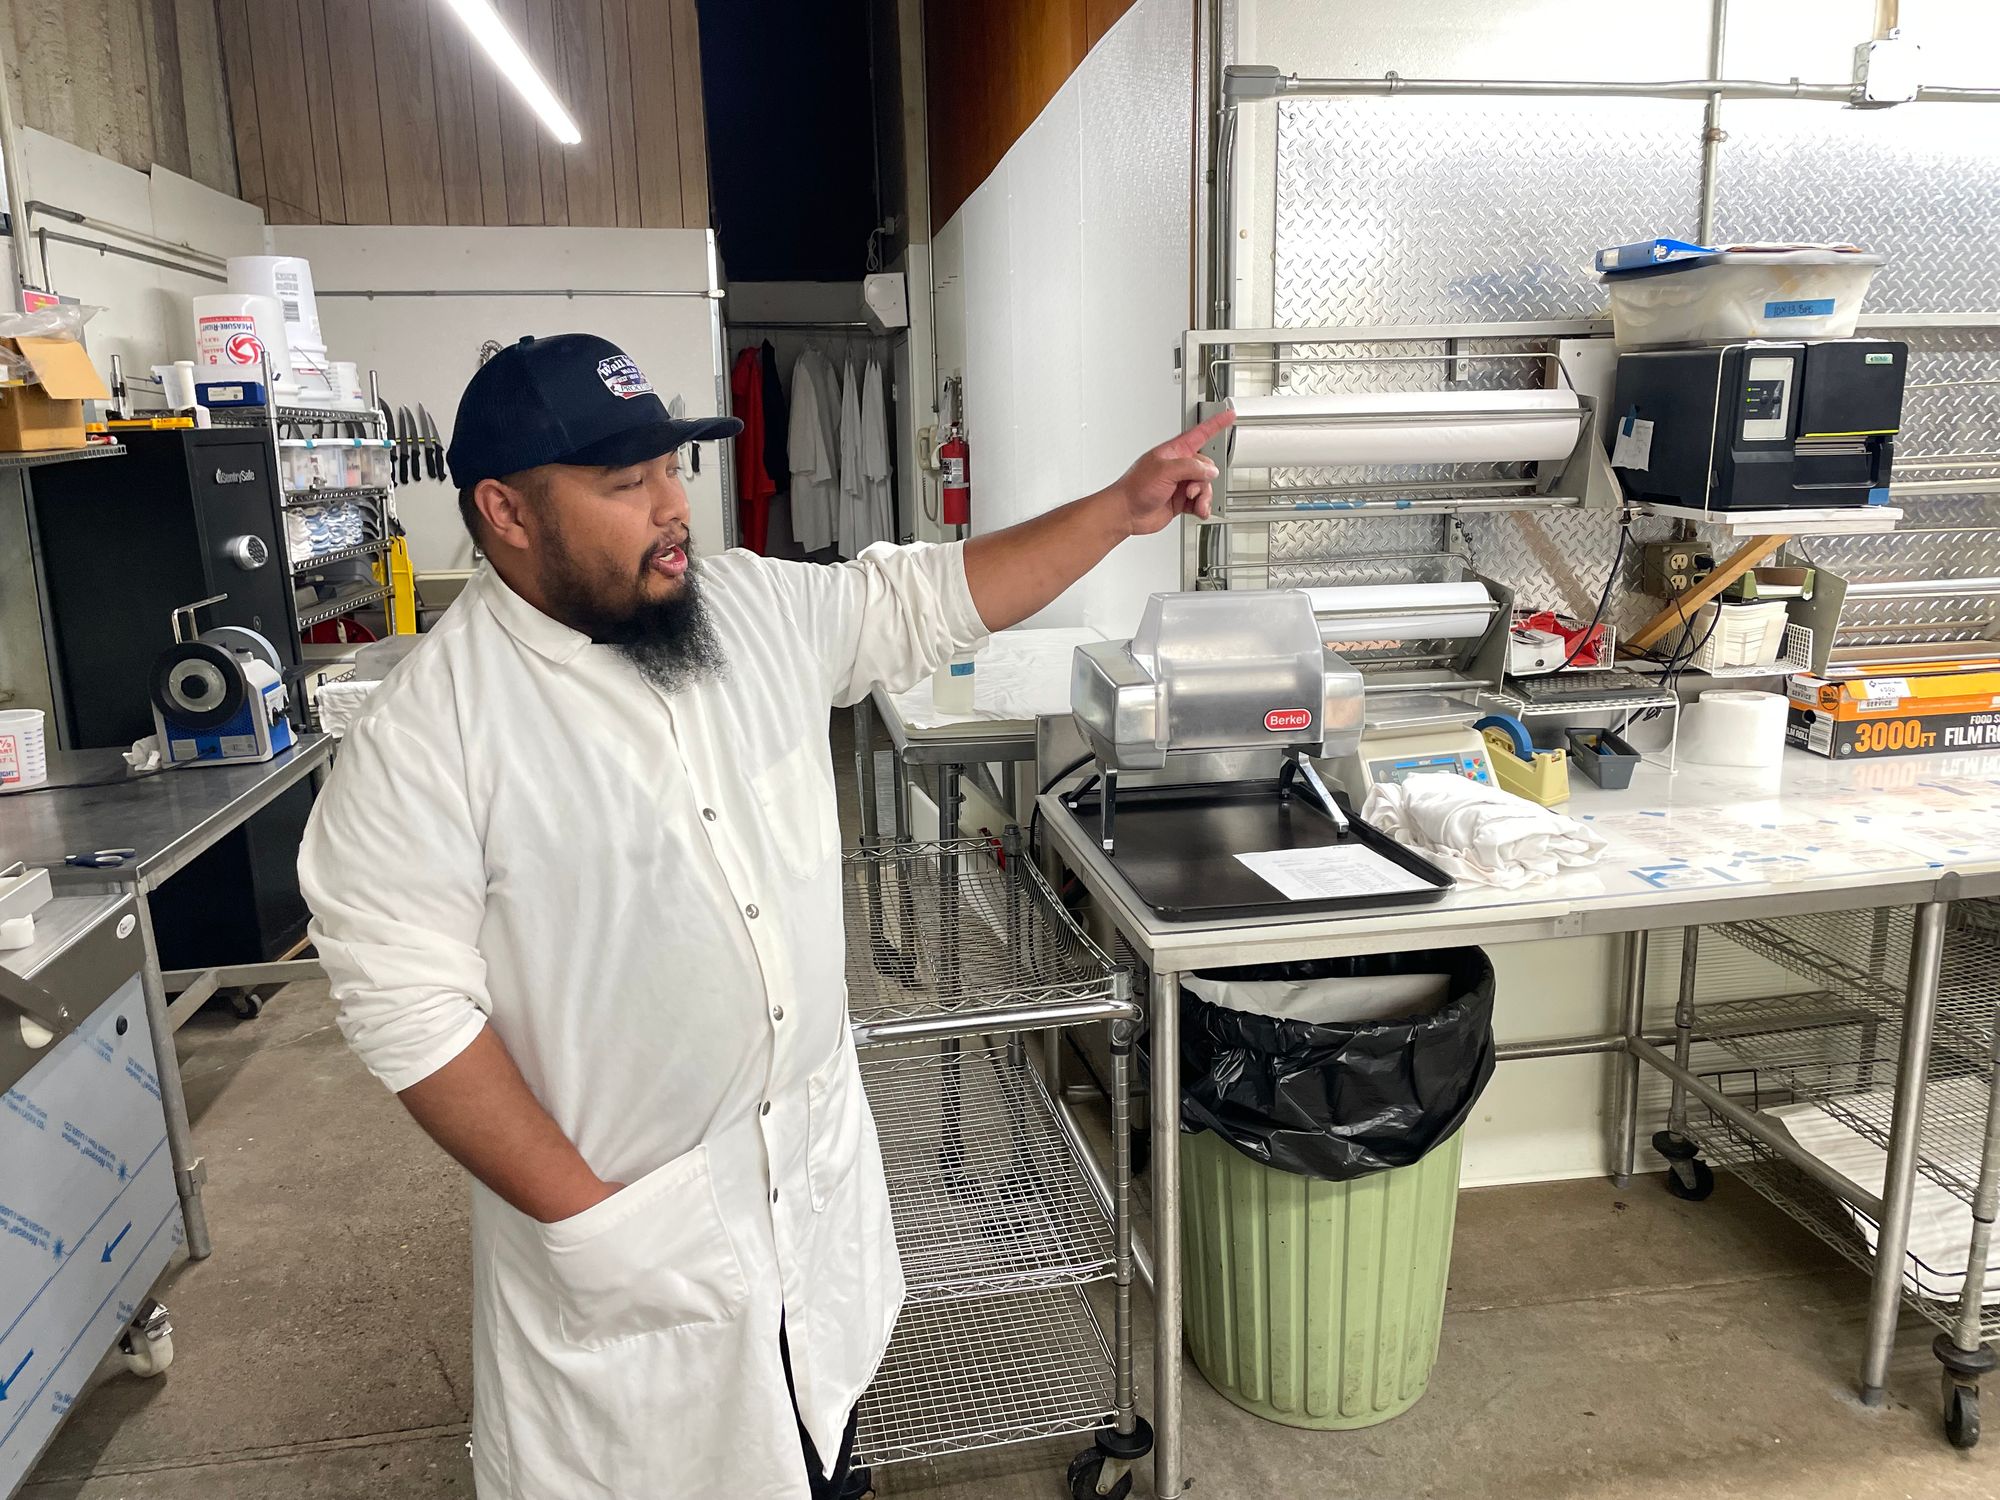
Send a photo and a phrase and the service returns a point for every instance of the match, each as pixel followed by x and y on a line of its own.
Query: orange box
pixel 1872 716
pixel 47 412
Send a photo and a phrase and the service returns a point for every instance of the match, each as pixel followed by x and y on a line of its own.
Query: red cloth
pixel 754 485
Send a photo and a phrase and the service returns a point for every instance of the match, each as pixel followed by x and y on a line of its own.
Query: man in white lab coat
pixel 576 883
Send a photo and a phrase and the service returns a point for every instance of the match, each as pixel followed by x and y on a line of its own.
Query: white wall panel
pixel 1062 293
pixel 426 348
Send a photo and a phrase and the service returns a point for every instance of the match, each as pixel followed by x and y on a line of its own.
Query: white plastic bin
pixel 1741 294
pixel 23 748
pixel 1749 634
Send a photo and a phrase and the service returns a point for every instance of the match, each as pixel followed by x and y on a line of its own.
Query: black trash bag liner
pixel 1339 1101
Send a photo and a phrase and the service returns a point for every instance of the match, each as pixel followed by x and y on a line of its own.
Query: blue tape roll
pixel 1514 729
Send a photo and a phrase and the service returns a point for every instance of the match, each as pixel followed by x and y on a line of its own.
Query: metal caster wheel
pixel 147 1344
pixel 1961 1414
pixel 1688 1176
pixel 1087 1477
pixel 860 1485
pixel 1691 1179
pixel 247 1004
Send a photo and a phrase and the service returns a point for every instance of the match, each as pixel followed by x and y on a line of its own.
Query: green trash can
pixel 1320 1155
pixel 1315 1304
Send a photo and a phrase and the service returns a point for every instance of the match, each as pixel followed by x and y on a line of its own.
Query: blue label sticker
pixel 1807 307
pixel 961 669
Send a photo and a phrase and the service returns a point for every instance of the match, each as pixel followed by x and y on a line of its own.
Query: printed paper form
pixel 1332 872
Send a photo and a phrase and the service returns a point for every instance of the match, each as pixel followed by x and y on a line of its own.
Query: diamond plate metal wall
pixel 1469 210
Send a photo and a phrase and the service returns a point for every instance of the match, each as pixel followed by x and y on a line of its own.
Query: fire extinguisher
pixel 954 463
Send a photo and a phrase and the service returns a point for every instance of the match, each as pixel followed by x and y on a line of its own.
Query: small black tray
pixel 1177 848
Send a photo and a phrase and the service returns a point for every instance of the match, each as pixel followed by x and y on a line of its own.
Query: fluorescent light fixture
pixel 515 66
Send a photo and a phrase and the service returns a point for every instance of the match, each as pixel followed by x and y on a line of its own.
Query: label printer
pixel 1759 426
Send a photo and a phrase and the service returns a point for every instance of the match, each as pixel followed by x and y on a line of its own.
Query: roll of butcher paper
pixel 1734 727
pixel 1385 427
pixel 1401 612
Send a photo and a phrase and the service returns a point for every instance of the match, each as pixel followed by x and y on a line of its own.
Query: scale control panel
pixel 1469 763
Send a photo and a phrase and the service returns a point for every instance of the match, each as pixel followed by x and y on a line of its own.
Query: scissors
pixel 99 859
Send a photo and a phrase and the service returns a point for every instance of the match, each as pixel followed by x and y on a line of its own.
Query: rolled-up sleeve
pixel 889 617
pixel 393 871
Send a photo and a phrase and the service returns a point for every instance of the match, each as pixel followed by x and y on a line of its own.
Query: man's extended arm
pixel 1015 572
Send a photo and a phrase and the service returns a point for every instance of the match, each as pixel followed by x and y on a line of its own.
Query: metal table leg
pixel 1964 1355
pixel 1688 1176
pixel 1632 1020
pixel 1899 1181
pixel 947 795
pixel 1164 1013
pixel 864 771
pixel 189 1172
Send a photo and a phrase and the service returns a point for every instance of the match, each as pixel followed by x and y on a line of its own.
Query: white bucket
pixel 289 279
pixel 233 332
pixel 24 759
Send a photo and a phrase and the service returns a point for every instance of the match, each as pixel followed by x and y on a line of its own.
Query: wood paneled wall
pixel 386 112
pixel 138 81
pixel 990 68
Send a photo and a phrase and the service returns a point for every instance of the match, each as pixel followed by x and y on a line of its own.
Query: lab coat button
pixel 764 1108
pixel 777 1012
pixel 708 813
pixel 774 1195
pixel 751 911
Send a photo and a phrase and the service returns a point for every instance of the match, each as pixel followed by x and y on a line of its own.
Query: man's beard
pixel 672 641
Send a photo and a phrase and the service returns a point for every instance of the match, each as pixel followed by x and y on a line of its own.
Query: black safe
pixel 120 543
pixel 1761 426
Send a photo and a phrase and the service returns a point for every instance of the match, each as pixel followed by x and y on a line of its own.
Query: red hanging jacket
pixel 754 485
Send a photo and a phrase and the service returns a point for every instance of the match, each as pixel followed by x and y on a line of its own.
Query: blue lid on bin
pixel 1645 254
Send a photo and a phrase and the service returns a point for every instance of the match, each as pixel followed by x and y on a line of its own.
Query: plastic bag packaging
pixel 1338 1099
pixel 63 321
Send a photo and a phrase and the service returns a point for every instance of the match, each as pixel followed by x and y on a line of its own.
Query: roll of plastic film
pixel 1734 727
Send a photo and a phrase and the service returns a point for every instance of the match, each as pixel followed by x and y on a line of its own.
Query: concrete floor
pixel 1597 1344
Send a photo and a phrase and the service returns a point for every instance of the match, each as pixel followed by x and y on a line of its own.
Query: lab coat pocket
pixel 836 1114
pixel 797 794
pixel 651 1257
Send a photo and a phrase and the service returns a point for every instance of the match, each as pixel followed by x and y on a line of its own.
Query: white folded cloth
pixel 1480 834
pixel 144 754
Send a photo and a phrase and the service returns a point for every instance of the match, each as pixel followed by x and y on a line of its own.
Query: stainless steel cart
pixel 1838 1049
pixel 952 959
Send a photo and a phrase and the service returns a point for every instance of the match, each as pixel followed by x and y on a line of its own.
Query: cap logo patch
pixel 623 378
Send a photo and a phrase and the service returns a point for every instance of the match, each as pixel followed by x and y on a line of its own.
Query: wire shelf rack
pixel 938 929
pixel 964 1376
pixel 259 416
pixel 1864 956
pixel 332 609
pixel 987 1193
pixel 1927 1290
pixel 1823 1049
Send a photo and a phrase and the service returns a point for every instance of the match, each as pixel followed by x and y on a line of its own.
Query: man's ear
pixel 504 508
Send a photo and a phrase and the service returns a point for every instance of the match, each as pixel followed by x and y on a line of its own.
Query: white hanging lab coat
pixel 641 894
pixel 813 440
pixel 877 504
pixel 853 526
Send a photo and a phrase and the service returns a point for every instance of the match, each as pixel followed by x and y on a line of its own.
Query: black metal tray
pixel 1177 848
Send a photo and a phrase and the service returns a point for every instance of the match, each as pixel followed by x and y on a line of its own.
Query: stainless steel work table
pixel 169 818
pixel 1037 664
pixel 1840 837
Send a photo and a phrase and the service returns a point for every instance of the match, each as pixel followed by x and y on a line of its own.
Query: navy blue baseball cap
pixel 572 398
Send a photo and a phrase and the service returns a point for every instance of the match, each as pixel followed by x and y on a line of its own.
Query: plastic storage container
pixel 1747 634
pixel 1320 1190
pixel 1740 294
pixel 1605 758
pixel 23 748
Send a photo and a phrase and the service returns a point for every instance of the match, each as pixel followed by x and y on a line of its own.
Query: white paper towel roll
pixel 1381 612
pixel 1385 427
pixel 1734 727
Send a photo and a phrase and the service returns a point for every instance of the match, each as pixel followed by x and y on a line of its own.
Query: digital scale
pixel 1414 734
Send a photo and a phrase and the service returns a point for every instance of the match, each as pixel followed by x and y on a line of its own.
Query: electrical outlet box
pixel 1886 71
pixel 1670 568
